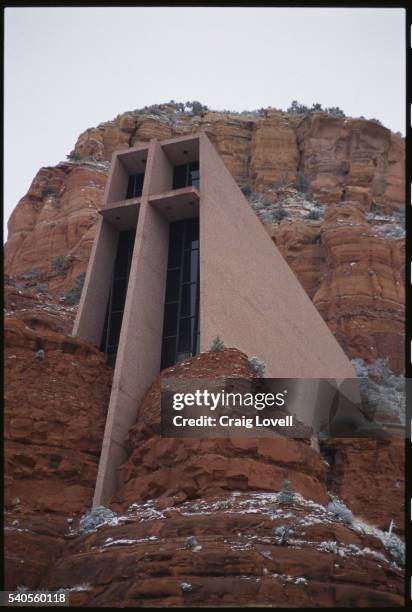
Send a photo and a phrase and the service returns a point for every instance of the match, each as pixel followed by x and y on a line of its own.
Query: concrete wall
pixel 139 352
pixel 161 179
pixel 249 296
pixel 117 182
pixel 93 303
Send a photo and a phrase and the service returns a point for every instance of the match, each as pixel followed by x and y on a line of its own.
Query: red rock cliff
pixel 201 522
pixel 349 260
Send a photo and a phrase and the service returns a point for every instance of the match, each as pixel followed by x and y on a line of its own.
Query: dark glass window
pixel 185 335
pixel 180 176
pixel 117 296
pixel 185 175
pixel 169 351
pixel 189 297
pixel 135 185
pixel 114 334
pixel 172 285
pixel 170 318
pixel 195 178
pixel 181 313
pixel 190 265
pixel 175 248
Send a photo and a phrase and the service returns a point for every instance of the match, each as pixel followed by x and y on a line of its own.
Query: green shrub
pixel 340 511
pixel 196 107
pixel 301 182
pixel 58 263
pixel 282 534
pixel 395 547
pixel 335 111
pixel 42 287
pixel 258 366
pixel 280 213
pixel 72 297
pixel 296 108
pixel 314 215
pixel 246 190
pixel 48 190
pixel 217 345
pixel 286 494
pixel 40 355
pixel 62 262
pixel 74 156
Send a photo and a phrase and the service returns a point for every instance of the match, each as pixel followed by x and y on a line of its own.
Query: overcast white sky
pixel 67 69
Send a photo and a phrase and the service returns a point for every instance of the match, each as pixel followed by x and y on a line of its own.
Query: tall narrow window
pixel 185 175
pixel 181 313
pixel 135 185
pixel 117 296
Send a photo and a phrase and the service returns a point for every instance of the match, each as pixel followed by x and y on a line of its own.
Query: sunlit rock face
pixel 244 549
pixel 339 183
pixel 200 522
pixel 56 396
pixel 192 522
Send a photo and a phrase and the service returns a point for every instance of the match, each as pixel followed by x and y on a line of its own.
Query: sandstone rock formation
pixel 354 277
pixel 159 467
pixel 220 493
pixel 362 294
pixel 352 267
pixel 51 230
pixel 352 159
pixel 238 550
pixel 54 422
pixel 189 469
pixel 367 470
pixel 199 521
